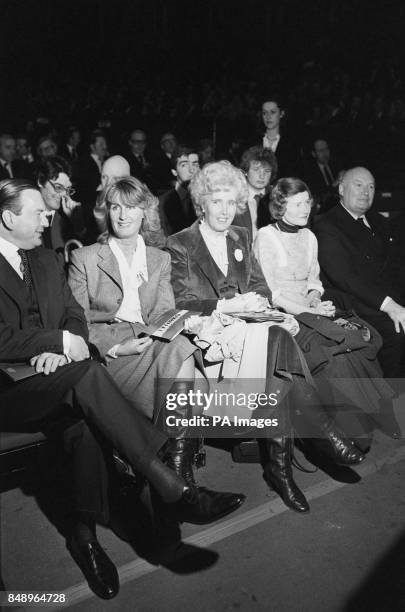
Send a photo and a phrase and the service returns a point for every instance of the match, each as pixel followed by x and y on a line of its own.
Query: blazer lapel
pixel 204 260
pixel 11 283
pixel 109 265
pixel 237 259
pixel 145 291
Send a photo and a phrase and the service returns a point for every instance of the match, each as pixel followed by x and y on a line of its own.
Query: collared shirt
pixel 216 244
pixel 387 299
pixel 132 277
pixel 10 253
pixel 252 205
pixel 271 143
pixel 355 217
pixel 97 160
pixel 7 166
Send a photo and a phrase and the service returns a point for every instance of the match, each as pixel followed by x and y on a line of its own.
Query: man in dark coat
pixel 358 267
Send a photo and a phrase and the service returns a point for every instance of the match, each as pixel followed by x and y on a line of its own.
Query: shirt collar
pixel 139 261
pixel 8 249
pixel 355 217
pixel 253 192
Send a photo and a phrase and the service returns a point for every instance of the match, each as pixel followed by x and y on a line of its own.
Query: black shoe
pixel 201 506
pixel 98 569
pixel 338 448
pixel 278 473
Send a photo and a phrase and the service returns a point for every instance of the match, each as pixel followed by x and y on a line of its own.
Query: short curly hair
pixel 216 176
pixel 261 155
pixel 284 189
pixel 130 192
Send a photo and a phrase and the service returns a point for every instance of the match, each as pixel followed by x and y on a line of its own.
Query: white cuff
pixel 66 345
pixel 113 351
pixel 385 303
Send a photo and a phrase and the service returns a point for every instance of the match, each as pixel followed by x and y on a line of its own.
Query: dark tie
pixel 362 221
pixel 25 268
pixel 329 175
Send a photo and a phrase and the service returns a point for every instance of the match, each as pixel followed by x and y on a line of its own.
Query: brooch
pixel 238 255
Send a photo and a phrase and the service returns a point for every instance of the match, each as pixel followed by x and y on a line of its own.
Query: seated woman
pixel 213 269
pixel 123 287
pixel 288 254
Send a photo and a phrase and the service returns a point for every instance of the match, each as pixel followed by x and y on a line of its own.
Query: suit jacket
pixel 355 261
pixel 58 309
pixel 161 172
pixel 175 213
pixel 64 228
pixel 89 178
pixel 196 277
pixel 20 169
pixel 142 172
pixel 95 280
pixel 263 216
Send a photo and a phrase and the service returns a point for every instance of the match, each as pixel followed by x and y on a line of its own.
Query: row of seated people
pixel 119 285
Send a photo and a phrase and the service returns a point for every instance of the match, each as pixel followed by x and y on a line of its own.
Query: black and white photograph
pixel 202 305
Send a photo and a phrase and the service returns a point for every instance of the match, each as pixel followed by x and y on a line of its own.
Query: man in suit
pixel 10 167
pixel 356 255
pixel 137 157
pixel 321 173
pixel 42 324
pixel 162 175
pixel 64 215
pixel 260 168
pixel 89 177
pixel 176 208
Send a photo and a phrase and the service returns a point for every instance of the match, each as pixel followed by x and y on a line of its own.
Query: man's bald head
pixel 357 189
pixel 114 167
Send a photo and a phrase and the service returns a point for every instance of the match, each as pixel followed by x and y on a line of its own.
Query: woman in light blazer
pixel 124 286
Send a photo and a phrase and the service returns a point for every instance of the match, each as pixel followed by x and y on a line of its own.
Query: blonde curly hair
pixel 216 176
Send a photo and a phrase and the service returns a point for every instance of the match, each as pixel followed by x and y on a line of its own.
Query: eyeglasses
pixel 138 141
pixel 62 190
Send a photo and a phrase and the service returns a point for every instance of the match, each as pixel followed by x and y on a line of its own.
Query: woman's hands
pixel 133 346
pixel 326 309
pixel 193 325
pixel 314 297
pixel 246 302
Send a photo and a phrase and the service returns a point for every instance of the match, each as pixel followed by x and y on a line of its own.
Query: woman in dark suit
pixel 213 268
pixel 275 138
pixel 124 286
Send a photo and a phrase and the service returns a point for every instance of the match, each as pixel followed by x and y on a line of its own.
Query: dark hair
pixel 284 189
pixel 94 135
pixel 48 169
pixel 10 191
pixel 259 154
pixel 276 98
pixel 179 151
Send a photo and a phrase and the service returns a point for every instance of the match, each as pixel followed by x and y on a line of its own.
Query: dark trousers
pixel 83 390
pixel 392 352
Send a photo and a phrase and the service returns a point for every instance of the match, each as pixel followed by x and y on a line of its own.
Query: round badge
pixel 238 255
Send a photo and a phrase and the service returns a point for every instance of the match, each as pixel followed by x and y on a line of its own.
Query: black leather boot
pixel 331 440
pixel 278 472
pixel 198 505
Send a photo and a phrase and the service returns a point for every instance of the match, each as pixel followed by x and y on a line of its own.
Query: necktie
pixel 25 268
pixel 329 175
pixel 47 233
pixel 361 221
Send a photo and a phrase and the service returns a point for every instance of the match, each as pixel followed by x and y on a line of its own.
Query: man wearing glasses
pixel 64 215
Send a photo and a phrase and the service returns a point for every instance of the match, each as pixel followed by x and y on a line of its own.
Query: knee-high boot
pixel 180 453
